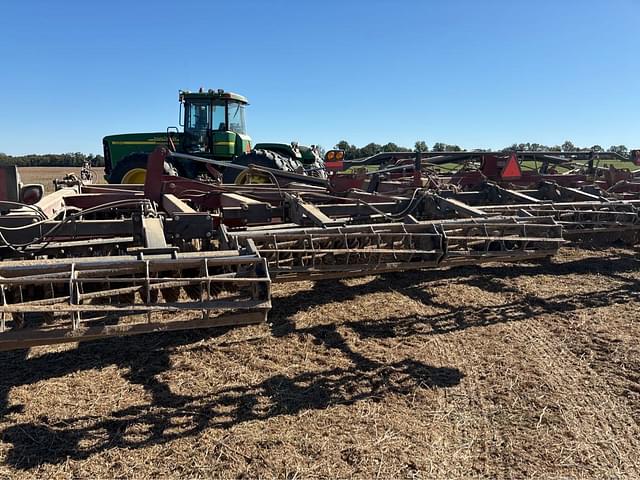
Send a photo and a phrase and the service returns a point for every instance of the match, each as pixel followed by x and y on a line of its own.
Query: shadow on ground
pixel 169 416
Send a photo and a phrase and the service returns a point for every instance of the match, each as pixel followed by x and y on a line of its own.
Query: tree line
pixel 352 151
pixel 51 160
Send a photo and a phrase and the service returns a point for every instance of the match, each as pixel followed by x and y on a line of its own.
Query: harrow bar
pixel 586 222
pixel 300 253
pixel 64 300
pixel 316 253
pixel 509 239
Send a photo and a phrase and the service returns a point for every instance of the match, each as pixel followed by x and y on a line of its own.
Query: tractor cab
pixel 213 123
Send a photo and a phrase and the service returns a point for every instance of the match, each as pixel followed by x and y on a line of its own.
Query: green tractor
pixel 214 129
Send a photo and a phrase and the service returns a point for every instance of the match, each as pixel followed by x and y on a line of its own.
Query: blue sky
pixel 477 73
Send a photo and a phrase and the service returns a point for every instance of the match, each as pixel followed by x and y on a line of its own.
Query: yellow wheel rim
pixel 248 177
pixel 135 175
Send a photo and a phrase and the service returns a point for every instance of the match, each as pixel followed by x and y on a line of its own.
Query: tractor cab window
pixel 219 119
pixel 196 126
pixel 236 118
pixel 197 117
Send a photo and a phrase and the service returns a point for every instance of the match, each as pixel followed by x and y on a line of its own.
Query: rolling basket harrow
pixel 93 261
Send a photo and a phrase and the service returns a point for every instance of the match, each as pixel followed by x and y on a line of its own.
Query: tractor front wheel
pixel 133 169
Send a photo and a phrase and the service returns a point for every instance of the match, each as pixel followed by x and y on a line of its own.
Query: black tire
pixel 262 158
pixel 135 161
pixel 318 169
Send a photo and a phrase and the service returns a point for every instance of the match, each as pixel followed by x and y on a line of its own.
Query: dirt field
pixel 46 175
pixel 530 370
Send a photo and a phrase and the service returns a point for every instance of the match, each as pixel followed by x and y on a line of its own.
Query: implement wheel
pixel 133 169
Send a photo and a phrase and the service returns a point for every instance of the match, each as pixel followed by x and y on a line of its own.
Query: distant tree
pixel 538 147
pixel 568 146
pixel 421 146
pixel 393 147
pixel 445 147
pixel 51 160
pixel 370 149
pixel 597 148
pixel 342 145
pixel 620 149
pixel 390 147
pixel 352 151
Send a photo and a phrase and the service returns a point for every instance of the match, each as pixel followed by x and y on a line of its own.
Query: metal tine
pixel 205 312
pixel 3 298
pixel 73 297
pixel 148 288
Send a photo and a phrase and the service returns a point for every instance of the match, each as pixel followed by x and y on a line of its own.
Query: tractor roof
pixel 212 94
